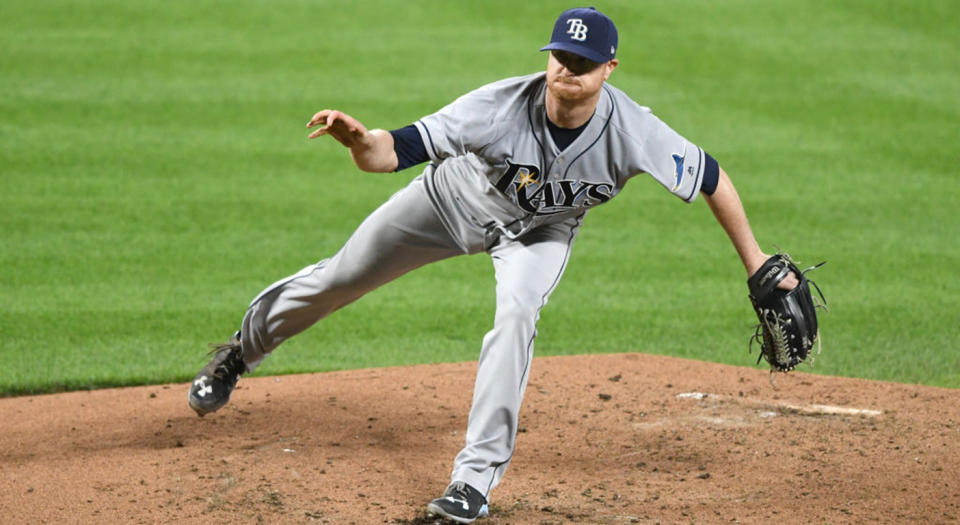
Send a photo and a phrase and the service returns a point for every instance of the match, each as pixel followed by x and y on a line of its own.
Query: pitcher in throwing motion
pixel 514 167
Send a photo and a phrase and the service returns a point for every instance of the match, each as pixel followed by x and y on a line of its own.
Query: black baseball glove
pixel 788 318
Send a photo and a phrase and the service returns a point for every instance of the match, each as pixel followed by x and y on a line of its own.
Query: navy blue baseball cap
pixel 586 32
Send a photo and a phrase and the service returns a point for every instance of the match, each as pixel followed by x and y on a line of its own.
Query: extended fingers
pixel 328 118
pixel 320 116
pixel 347 123
pixel 337 124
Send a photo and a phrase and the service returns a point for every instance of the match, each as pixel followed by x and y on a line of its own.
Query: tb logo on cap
pixel 577 29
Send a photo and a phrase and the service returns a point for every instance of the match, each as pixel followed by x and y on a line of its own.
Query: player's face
pixel 572 77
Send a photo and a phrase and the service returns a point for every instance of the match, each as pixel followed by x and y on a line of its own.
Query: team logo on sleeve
pixel 679 162
pixel 523 184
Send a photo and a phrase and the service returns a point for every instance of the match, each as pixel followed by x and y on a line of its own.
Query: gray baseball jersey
pixel 499 184
pixel 498 166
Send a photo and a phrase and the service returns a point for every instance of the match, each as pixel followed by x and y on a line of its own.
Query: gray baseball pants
pixel 405 233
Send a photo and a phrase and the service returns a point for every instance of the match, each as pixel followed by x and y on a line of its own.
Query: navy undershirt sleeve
pixel 711 175
pixel 409 147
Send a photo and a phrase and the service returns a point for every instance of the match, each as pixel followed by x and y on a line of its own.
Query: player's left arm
pixel 728 210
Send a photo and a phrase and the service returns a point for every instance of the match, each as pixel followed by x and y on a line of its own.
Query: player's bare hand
pixel 346 129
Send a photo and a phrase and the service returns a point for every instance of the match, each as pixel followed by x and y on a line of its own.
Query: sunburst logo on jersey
pixel 527 178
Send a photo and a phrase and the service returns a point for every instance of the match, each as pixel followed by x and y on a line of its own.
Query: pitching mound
pixel 604 439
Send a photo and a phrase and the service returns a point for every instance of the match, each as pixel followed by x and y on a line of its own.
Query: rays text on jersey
pixel 523 183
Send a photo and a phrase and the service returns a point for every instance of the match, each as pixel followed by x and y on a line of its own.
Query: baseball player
pixel 514 167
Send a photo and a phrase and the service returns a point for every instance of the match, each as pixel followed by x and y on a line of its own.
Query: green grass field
pixel 155 175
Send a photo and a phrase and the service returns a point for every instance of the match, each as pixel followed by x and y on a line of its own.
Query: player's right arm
pixel 372 150
pixel 465 125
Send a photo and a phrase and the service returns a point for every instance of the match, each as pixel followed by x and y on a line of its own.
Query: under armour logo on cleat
pixel 204 387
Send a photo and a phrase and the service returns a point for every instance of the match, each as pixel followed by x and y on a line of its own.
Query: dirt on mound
pixel 604 439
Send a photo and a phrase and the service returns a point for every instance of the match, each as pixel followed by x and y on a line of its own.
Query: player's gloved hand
pixel 788 283
pixel 787 328
pixel 346 129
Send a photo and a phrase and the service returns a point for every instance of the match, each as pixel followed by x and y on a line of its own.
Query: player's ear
pixel 610 66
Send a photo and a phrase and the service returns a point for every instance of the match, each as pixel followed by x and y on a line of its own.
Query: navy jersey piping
pixel 543 299
pixel 299 275
pixel 429 138
pixel 696 182
pixel 533 130
pixel 613 107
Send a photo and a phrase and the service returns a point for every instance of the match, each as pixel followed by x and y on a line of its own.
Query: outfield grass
pixel 156 176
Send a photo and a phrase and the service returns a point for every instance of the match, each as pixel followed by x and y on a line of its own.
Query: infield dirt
pixel 604 439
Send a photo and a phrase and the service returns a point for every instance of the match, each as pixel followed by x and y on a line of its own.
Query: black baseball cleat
pixel 460 503
pixel 212 387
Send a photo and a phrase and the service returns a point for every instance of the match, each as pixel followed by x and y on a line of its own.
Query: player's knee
pixel 516 309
